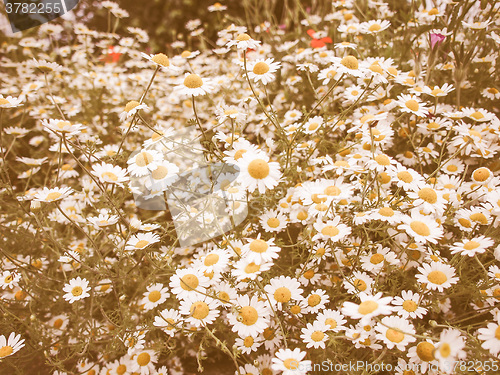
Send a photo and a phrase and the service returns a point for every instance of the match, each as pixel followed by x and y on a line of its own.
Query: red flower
pixel 318 43
pixel 111 56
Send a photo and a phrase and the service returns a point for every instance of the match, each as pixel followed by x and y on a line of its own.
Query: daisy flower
pixel 482 175
pixel 10 102
pixel 9 279
pixel 282 290
pixel 141 241
pixel 248 344
pixel 103 220
pixel 412 104
pixel 314 335
pixel 476 245
pixel 395 332
pixel 421 228
pixel 317 301
pixel 449 348
pixel 489 335
pixel 251 317
pixel 313 124
pixel 134 341
pixel 348 65
pixel 144 162
pixel 358 282
pixel 373 26
pixel 370 306
pixel 333 320
pixel 76 289
pixel 273 221
pixel 437 91
pixel 331 230
pixel 200 310
pixel 263 70
pixel 260 251
pixel 131 109
pixel 256 172
pixel 437 275
pixel 11 345
pixel 109 173
pixel 243 41
pixel 194 85
pixel 143 362
pixel 161 60
pixel 291 362
pixel 408 305
pixel 52 195
pixel 168 321
pixel 246 269
pixel 188 281
pixel 156 294
pixel 428 199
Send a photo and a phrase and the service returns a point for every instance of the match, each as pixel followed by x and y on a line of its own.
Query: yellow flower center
pixel 53 196
pixel 376 258
pixel 433 12
pixel 350 62
pixel 481 174
pixel 77 291
pixel 331 322
pixel 243 37
pixel 199 310
pixel 160 172
pixel 420 228
pixel 211 259
pixel 330 230
pixel 445 350
pixel 143 359
pixel 497 333
pixel 161 59
pixel 367 307
pixel 428 195
pixel 189 282
pixel 479 218
pixel 425 351
pixel 248 315
pixel 295 309
pixel 386 211
pixel 409 305
pixel 131 105
pixel 3 101
pixel 437 91
pixel 248 342
pixel 259 246
pixel 223 296
pixel 313 300
pixel 154 296
pixel 282 295
pixel 110 176
pixel 437 277
pixel 121 369
pixel 382 159
pixel 185 54
pixel 6 351
pixel 252 268
pixel 258 169
pixel 477 115
pixel 360 285
pixel 471 245
pixel 143 159
pixel 141 244
pixel 317 336
pixel 261 68
pixel 394 336
pixel 374 27
pixel 58 323
pixel 193 81
pixel 273 222
pixel 291 364
pixel 412 105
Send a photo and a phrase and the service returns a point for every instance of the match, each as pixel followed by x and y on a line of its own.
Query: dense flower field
pixel 360 226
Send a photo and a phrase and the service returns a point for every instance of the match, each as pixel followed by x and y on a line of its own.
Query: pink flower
pixel 437 39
